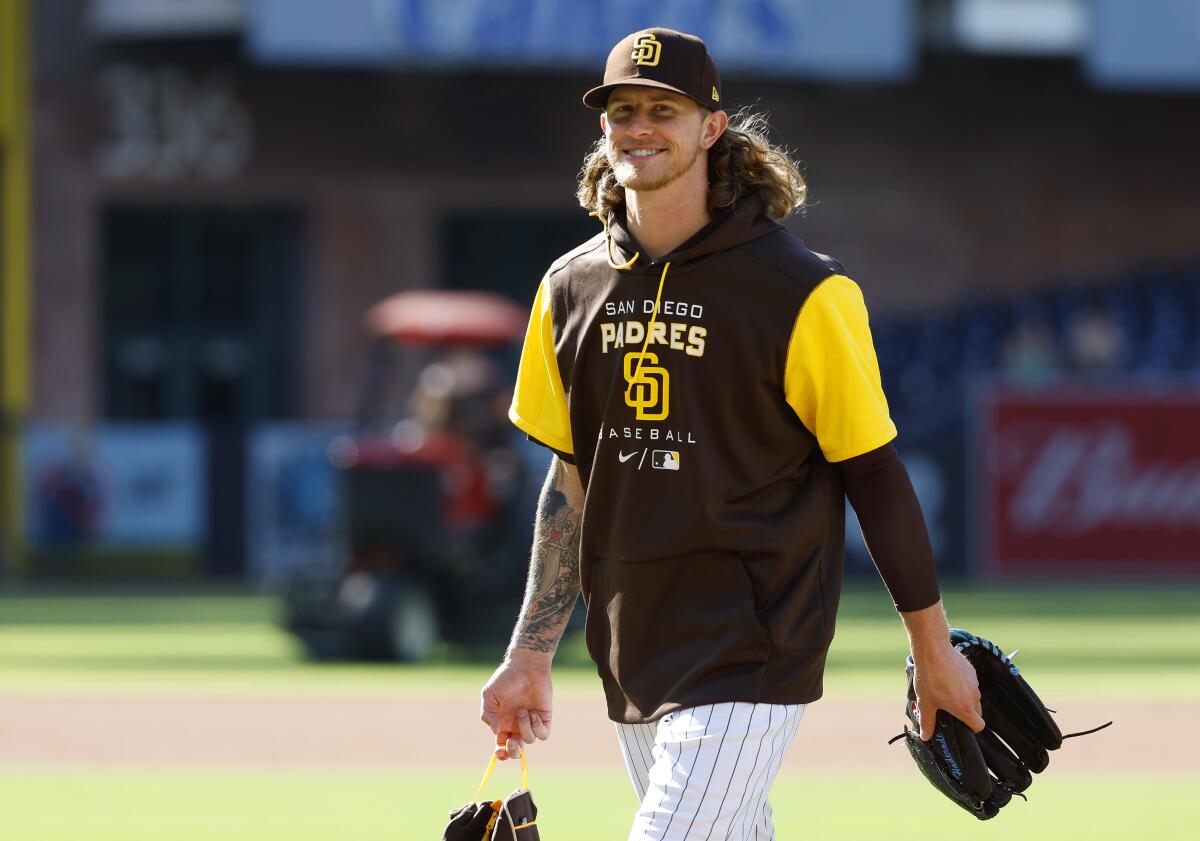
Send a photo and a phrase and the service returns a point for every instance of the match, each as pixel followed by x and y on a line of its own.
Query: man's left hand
pixel 946 680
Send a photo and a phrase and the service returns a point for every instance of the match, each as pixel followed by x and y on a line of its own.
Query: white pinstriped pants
pixel 703 773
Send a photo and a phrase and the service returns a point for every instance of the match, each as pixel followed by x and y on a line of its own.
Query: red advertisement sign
pixel 1090 481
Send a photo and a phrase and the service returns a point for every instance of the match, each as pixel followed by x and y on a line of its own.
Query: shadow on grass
pixel 864 607
pixel 137 607
pixel 1128 664
pixel 1051 601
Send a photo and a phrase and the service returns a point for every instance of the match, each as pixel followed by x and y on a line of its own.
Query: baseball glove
pixel 982 771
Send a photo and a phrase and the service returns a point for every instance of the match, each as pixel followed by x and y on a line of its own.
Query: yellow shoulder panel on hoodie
pixel 832 377
pixel 539 405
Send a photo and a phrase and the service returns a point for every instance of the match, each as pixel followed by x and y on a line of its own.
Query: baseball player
pixel 710 391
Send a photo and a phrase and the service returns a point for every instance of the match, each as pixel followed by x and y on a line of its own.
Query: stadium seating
pixel 1143 325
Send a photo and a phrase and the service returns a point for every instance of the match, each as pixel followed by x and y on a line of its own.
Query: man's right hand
pixel 517 702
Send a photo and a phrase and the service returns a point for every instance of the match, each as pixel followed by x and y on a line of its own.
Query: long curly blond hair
pixel 743 162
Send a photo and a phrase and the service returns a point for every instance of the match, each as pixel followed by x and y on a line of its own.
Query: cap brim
pixel 598 97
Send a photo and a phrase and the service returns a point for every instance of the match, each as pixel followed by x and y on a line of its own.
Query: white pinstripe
pixel 704 773
pixel 764 829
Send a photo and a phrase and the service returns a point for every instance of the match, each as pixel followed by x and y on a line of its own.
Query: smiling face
pixel 653 136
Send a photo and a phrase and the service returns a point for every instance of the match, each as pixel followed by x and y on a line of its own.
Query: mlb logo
pixel 664 459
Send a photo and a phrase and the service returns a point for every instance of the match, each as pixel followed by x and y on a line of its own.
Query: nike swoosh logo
pixel 624 458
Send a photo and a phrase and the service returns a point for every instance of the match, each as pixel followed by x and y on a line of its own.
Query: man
pixel 710 391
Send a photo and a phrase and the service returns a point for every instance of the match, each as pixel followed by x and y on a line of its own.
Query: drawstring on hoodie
pixel 613 264
pixel 637 371
pixel 649 328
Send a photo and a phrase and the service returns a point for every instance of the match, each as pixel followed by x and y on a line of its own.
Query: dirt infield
pixel 405 732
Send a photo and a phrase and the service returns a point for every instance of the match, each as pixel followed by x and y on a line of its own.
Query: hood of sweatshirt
pixel 729 228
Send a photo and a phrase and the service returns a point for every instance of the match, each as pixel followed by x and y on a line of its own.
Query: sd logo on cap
pixel 646 50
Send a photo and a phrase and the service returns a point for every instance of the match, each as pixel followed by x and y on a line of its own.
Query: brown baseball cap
pixel 660 58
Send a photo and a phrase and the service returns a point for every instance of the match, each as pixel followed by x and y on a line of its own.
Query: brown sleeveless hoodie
pixel 712 534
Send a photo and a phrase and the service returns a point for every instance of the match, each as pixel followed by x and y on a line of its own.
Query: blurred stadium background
pixel 203 203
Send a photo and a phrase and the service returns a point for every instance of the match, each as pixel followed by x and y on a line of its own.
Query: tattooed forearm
pixel 553 584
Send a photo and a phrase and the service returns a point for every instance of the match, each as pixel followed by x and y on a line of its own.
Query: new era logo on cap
pixel 660 58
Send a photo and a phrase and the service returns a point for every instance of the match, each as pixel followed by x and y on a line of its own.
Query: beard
pixel 631 177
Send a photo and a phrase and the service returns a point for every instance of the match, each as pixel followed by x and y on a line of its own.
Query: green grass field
pixel 581 806
pixel 1122 645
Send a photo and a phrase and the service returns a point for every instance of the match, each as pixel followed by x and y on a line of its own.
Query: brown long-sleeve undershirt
pixel 893 526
